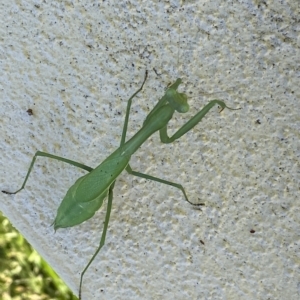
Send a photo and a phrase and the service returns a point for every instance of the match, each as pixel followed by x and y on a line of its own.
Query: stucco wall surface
pixel 75 64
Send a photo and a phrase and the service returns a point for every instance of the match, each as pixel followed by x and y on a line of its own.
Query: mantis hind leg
pixel 102 241
pixel 40 153
pixel 146 176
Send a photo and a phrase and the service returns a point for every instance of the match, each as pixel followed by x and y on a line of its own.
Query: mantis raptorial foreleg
pixel 191 123
pixel 87 194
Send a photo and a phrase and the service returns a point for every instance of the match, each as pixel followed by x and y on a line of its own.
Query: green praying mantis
pixel 87 194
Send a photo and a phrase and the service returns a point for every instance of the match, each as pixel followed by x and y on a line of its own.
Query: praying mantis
pixel 87 194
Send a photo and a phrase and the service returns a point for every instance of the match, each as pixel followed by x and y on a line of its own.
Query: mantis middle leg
pixel 146 176
pixel 128 111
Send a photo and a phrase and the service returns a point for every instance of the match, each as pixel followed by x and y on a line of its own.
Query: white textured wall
pixel 75 63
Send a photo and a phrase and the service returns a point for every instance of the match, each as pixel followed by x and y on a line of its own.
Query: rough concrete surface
pixel 75 64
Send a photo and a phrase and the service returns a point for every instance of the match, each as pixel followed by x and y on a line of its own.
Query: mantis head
pixel 177 100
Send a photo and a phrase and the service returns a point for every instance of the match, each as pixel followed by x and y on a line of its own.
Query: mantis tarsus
pixel 86 195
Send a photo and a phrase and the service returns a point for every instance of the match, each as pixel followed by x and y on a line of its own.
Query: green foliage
pixel 24 275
